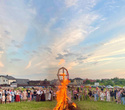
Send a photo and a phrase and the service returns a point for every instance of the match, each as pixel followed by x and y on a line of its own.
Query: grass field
pixel 84 105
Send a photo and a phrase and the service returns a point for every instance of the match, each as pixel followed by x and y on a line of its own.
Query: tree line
pixel 112 82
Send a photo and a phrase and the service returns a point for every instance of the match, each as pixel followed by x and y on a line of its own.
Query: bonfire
pixel 63 101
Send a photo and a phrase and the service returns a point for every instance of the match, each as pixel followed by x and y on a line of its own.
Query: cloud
pixel 13 26
pixel 63 38
pixel 70 3
pixel 109 51
pixel 1 64
pixel 16 60
pixel 71 65
pixel 59 56
pixel 81 58
pixel 7 32
pixel 64 33
pixel 1 49
pixel 62 61
pixel 29 65
pixel 74 33
pixel 48 49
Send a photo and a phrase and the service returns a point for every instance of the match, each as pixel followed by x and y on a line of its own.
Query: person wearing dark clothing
pixel 102 89
pixel 78 89
pixel 115 92
pixel 34 95
pixel 90 94
pixel 111 94
pixel 28 94
pixel 123 96
pixel 43 96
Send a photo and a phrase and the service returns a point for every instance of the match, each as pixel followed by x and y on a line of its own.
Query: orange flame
pixel 74 105
pixel 62 98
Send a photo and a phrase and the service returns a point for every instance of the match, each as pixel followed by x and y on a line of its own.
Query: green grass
pixel 84 105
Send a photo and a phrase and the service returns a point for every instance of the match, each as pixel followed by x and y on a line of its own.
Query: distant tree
pixel 97 80
pixel 88 82
pixel 45 79
pixel 109 82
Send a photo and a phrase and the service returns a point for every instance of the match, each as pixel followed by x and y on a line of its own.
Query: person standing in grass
pixel 8 98
pixel 93 92
pixel 97 93
pixel 108 95
pixel 28 94
pixel 102 88
pixel 75 94
pixel 32 91
pixel 111 94
pixel 102 95
pixel 0 96
pixel 34 95
pixel 95 96
pixel 47 93
pixel 50 95
pixel 80 95
pixel 54 94
pixel 17 98
pixel 119 96
pixel 115 92
pixel 5 94
pixel 123 97
pixel 90 94
pixel 12 94
pixel 3 98
pixel 24 95
pixel 85 94
pixel 38 95
pixel 43 96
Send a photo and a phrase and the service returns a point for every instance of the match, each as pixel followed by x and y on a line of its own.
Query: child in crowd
pixel 3 98
pixel 8 98
pixel 95 96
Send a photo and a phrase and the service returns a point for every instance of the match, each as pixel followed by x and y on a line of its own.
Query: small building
pixel 96 84
pixel 22 81
pixel 55 82
pixel 3 80
pixel 39 83
pixel 6 79
pixel 13 84
pixel 78 81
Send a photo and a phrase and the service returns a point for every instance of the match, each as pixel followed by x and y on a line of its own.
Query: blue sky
pixel 87 34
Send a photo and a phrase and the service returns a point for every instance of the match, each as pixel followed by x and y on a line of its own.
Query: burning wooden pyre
pixel 62 97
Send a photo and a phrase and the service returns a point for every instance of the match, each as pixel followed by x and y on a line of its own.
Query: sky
pixel 87 36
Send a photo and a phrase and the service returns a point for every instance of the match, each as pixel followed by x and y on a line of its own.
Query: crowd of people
pixel 49 94
pixel 11 95
pixel 113 95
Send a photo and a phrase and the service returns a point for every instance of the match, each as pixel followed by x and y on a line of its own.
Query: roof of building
pixel 8 77
pixel 77 79
pixel 22 81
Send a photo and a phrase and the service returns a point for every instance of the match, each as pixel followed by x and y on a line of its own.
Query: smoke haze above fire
pixel 87 37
